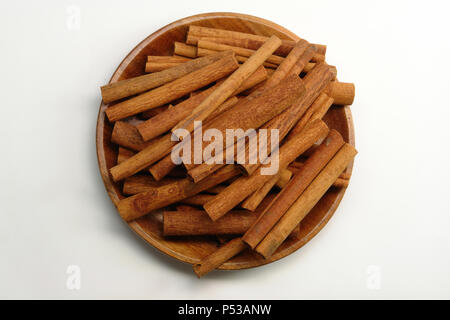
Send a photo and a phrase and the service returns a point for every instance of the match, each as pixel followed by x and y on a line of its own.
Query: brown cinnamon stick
pixel 151 67
pixel 244 186
pixel 198 199
pixel 184 50
pixel 147 156
pixel 188 223
pixel 175 89
pixel 306 201
pixel 202 52
pixel 226 89
pixel 218 257
pixel 126 135
pixel 123 154
pixel 342 93
pixel 321 102
pixel 285 177
pixel 129 87
pixel 294 189
pixel 143 203
pixel 142 183
pixel 204 44
pixel 167 59
pixel 168 119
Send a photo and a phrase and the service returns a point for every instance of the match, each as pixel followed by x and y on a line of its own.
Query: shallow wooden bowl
pixel 192 249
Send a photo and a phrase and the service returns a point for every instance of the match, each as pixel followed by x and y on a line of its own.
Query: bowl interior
pixel 192 249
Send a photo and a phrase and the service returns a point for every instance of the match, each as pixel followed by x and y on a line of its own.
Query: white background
pixel 395 216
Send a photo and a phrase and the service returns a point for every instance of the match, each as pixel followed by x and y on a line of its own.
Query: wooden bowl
pixel 192 249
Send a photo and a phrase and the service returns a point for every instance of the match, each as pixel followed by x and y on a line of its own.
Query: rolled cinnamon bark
pixel 126 135
pixel 204 44
pixel 294 189
pixel 218 257
pixel 142 183
pixel 315 81
pixel 202 52
pixel 167 59
pixel 168 119
pixel 252 201
pixel 147 156
pixel 129 87
pixel 341 183
pixel 244 186
pixel 175 89
pixel 123 154
pixel 189 223
pixel 153 112
pixel 184 50
pixel 162 168
pixel 303 64
pixel 143 203
pixel 306 201
pixel 250 41
pixel 322 101
pixel 226 89
pixel 262 108
pixel 151 67
pixel 342 93
pixel 198 200
pixel 285 177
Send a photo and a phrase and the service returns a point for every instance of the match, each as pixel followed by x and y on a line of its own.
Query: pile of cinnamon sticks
pixel 229 80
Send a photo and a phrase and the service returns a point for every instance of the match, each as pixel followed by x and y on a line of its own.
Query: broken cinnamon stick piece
pixel 123 154
pixel 184 50
pixel 129 87
pixel 175 89
pixel 234 81
pixel 218 257
pixel 312 194
pixel 294 189
pixel 342 93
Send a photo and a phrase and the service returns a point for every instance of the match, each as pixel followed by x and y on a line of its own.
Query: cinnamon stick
pixel 192 223
pixel 126 135
pixel 204 44
pixel 322 102
pixel 142 183
pixel 230 85
pixel 167 59
pixel 202 52
pixel 218 257
pixel 244 186
pixel 147 156
pixel 168 119
pixel 123 154
pixel 143 203
pixel 185 50
pixel 151 67
pixel 175 89
pixel 129 87
pixel 198 199
pixel 294 189
pixel 342 93
pixel 285 177
pixel 308 199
